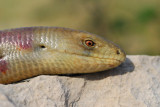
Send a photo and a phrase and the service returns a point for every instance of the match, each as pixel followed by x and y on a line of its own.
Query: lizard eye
pixel 89 43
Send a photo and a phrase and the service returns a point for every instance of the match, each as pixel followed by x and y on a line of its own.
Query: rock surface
pixel 135 83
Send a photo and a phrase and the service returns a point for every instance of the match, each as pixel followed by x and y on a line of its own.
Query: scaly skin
pixel 28 52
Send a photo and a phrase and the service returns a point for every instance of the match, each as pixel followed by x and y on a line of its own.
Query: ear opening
pixel 42 46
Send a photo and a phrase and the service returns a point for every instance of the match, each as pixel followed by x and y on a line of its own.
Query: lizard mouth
pixel 100 58
pixel 118 60
pixel 109 59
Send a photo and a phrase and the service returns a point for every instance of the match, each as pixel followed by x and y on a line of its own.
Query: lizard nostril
pixel 118 52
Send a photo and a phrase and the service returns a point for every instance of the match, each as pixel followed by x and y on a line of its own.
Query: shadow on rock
pixel 124 68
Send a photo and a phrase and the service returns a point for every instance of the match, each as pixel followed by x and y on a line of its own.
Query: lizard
pixel 31 51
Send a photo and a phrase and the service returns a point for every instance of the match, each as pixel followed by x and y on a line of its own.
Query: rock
pixel 4 101
pixel 135 83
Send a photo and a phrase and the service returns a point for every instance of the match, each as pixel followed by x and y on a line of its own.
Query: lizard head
pixel 84 52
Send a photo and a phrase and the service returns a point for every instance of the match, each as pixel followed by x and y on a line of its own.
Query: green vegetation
pixel 133 24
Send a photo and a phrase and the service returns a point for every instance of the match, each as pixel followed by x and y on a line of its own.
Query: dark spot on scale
pixel 3 66
pixel 1 56
pixel 118 52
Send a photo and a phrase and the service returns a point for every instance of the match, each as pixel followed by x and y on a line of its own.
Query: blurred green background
pixel 132 24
